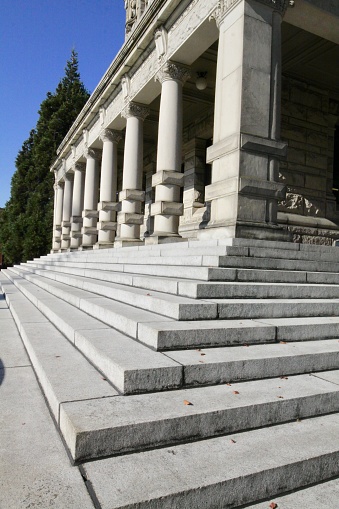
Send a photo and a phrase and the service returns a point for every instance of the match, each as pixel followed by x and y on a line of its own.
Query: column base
pixel 260 231
pixel 128 243
pixel 85 248
pixel 103 245
pixel 163 239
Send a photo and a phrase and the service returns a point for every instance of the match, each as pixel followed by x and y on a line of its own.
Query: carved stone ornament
pixel 135 110
pixel 102 113
pixel 173 71
pixel 79 167
pixel 131 14
pixel 224 6
pixel 160 39
pixel 110 135
pixel 126 86
pixel 91 153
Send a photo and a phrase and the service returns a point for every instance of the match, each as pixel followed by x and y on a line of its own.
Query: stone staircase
pixel 191 375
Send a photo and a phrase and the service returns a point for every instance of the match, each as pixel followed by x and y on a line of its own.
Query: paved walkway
pixel 35 471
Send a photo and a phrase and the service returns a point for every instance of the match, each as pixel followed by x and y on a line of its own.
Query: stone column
pixel 66 212
pixel 246 145
pixel 77 205
pixel 132 195
pixel 168 178
pixel 90 212
pixel 59 195
pixel 107 205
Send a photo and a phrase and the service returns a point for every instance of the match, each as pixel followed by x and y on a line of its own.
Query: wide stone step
pixel 242 282
pixel 117 425
pixel 220 472
pixel 63 372
pixel 211 366
pixel 130 366
pixel 172 306
pixel 321 496
pixel 278 264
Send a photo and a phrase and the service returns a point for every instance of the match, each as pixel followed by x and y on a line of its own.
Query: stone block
pixel 316 160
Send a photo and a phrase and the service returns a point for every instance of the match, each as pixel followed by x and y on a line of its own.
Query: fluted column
pixel 132 195
pixel 59 196
pixel 77 205
pixel 168 178
pixel 90 212
pixel 108 203
pixel 66 211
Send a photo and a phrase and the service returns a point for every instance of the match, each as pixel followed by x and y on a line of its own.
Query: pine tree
pixel 27 220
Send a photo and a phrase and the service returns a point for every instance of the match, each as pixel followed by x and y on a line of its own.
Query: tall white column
pixel 66 212
pixel 246 145
pixel 59 194
pixel 168 178
pixel 132 195
pixel 77 205
pixel 108 203
pixel 90 212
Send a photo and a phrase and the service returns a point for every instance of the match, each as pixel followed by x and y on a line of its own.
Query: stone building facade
pixel 218 118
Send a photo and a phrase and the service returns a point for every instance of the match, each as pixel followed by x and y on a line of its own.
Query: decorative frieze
pixel 173 71
pixel 224 6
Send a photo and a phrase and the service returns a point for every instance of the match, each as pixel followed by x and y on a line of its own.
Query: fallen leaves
pixel 273 505
pixel 233 441
pixel 281 397
pixel 235 392
pixel 283 342
pixel 284 378
pixel 188 403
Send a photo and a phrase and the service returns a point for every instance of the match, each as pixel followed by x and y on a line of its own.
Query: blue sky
pixel 36 39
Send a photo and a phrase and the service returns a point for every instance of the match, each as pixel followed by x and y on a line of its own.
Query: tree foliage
pixel 27 220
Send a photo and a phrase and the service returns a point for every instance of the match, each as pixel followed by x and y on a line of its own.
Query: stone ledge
pixel 168 177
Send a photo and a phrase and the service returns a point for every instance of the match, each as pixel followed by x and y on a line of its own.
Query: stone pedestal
pixel 90 212
pixel 246 146
pixel 66 213
pixel 194 187
pixel 168 178
pixel 108 203
pixel 131 197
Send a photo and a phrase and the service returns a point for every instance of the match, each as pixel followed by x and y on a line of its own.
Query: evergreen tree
pixel 27 220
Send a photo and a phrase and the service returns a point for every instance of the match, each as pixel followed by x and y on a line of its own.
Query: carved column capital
pixel 110 135
pixel 224 6
pixel 91 153
pixel 68 177
pixel 173 71
pixel 80 166
pixel 135 110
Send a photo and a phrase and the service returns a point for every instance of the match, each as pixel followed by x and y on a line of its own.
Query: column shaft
pixel 132 195
pixel 168 179
pixel 67 210
pixel 77 205
pixel 58 216
pixel 108 188
pixel 90 213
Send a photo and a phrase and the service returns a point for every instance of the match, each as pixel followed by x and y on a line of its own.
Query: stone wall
pixel 309 115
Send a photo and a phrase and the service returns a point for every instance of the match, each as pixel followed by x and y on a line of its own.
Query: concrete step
pixel 63 372
pixel 292 288
pixel 220 472
pixel 130 366
pixel 209 366
pixel 321 496
pixel 182 308
pixel 172 306
pixel 116 425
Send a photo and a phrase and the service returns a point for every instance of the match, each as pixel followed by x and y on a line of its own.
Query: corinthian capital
pixel 135 110
pixel 173 71
pixel 91 153
pixel 110 135
pixel 79 167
